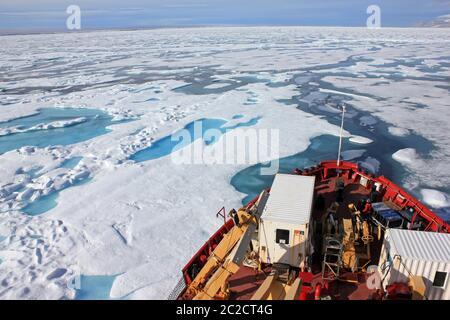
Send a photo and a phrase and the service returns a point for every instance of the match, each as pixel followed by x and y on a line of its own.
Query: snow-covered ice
pixel 435 198
pixel 43 126
pixel 406 156
pixel 401 132
pixel 138 223
pixel 360 140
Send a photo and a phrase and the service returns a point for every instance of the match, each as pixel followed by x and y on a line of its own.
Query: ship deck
pixel 349 286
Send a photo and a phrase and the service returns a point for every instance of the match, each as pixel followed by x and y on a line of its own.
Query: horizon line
pixel 29 31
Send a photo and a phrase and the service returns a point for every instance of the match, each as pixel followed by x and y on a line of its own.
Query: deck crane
pixel 228 256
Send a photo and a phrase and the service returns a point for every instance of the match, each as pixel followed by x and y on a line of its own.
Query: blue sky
pixel 51 14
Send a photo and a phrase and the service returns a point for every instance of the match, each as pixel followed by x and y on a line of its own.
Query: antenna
pixel 340 136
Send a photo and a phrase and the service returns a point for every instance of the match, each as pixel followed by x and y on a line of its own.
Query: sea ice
pixel 367 121
pixel 135 225
pixel 406 156
pixel 360 140
pixel 400 132
pixel 435 198
pixel 371 164
pixel 348 155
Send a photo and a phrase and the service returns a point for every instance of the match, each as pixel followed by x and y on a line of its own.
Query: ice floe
pixel 360 140
pixel 352 154
pixel 371 164
pixel 367 121
pixel 43 126
pixel 400 132
pixel 406 156
pixel 136 224
pixel 435 198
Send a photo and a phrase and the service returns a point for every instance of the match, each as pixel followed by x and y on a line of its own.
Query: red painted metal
pixel 398 290
pixel 390 191
pixel 318 291
pixel 303 295
pixel 212 242
pixel 307 279
pixel 204 250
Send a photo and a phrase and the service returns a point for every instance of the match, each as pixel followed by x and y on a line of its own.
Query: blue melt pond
pixel 94 287
pixel 71 162
pixel 41 205
pixel 96 124
pixel 182 138
pixel 251 182
pixel 48 202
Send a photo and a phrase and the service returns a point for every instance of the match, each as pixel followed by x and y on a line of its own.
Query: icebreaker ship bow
pixel 332 231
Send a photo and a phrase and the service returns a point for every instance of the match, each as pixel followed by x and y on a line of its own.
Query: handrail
pixel 421 209
pixel 393 189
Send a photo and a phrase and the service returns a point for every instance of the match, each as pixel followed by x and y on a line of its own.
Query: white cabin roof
pixel 290 199
pixel 419 245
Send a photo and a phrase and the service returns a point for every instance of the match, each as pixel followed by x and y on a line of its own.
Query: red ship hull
pixel 390 192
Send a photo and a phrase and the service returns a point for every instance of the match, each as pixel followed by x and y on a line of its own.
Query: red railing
pixel 209 245
pixel 390 192
pixel 206 249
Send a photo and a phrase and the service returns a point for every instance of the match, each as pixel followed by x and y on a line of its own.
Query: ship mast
pixel 340 136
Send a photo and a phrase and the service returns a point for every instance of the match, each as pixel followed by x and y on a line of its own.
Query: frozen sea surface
pixel 84 190
pixel 48 202
pixel 92 123
pixel 191 132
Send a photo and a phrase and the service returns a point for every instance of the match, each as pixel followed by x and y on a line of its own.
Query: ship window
pixel 282 236
pixel 439 279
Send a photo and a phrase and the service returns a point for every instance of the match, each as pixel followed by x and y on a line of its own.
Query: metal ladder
pixel 332 260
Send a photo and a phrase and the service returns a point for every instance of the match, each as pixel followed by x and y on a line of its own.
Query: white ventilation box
pixel 284 235
pixel 407 253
